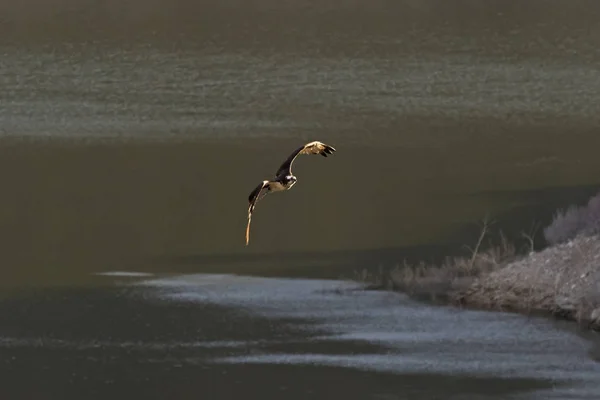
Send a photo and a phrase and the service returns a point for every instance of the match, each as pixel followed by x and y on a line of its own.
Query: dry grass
pixel 561 280
pixel 454 274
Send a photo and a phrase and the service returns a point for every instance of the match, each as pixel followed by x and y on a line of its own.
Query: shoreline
pixel 560 281
pixel 110 201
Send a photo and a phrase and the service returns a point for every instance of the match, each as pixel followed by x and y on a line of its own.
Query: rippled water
pixel 390 73
pixel 227 335
pixel 70 91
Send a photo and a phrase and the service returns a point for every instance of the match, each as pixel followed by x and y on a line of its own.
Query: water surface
pixel 132 132
pixel 226 336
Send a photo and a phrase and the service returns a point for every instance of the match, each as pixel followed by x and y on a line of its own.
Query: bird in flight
pixel 284 179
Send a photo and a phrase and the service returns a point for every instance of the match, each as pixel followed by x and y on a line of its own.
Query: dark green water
pixel 132 133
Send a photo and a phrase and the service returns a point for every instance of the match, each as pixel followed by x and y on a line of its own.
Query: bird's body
pixel 284 183
pixel 284 179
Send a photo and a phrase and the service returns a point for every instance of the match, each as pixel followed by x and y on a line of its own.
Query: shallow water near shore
pixel 227 336
pixel 132 132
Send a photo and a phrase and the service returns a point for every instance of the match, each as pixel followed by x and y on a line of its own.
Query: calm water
pixel 132 133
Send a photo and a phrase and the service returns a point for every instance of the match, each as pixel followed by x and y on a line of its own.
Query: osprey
pixel 284 179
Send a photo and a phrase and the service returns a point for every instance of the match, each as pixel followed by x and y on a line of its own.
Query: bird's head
pixel 290 178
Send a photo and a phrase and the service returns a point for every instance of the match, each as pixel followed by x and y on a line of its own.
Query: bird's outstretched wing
pixel 258 193
pixel 315 147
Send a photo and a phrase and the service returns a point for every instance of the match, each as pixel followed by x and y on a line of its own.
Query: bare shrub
pixel 456 273
pixel 574 221
pixel 452 275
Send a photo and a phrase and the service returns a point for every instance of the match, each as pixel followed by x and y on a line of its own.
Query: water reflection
pixel 225 336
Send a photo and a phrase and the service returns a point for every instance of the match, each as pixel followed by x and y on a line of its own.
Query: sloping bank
pixel 562 280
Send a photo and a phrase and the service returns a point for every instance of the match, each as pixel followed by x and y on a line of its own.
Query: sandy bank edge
pixel 562 280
